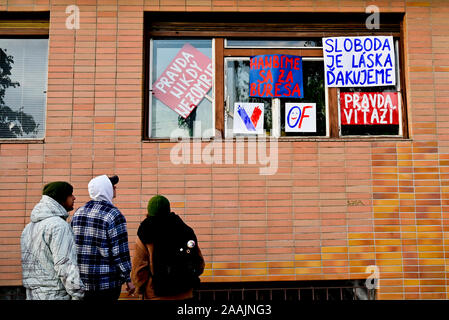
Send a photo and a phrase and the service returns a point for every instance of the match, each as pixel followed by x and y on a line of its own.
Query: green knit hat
pixel 58 190
pixel 158 205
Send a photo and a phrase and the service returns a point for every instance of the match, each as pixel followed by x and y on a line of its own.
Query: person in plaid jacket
pixel 101 239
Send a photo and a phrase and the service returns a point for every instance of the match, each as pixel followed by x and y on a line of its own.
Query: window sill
pixel 292 139
pixel 21 141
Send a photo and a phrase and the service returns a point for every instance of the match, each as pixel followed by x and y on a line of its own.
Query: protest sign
pixel 300 117
pixel 185 81
pixel 359 61
pixel 248 118
pixel 369 108
pixel 276 76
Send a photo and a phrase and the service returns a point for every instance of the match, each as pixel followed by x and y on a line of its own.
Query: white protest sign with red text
pixel 369 108
pixel 186 81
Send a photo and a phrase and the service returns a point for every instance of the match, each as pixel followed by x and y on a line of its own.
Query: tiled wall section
pixel 333 207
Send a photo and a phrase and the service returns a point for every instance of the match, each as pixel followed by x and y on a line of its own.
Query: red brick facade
pixel 333 207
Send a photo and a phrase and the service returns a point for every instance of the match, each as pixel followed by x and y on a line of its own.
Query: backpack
pixel 177 263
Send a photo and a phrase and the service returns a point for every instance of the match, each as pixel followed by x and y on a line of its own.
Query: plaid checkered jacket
pixel 102 245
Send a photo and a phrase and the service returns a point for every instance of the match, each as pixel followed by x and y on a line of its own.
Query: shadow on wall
pixel 12 293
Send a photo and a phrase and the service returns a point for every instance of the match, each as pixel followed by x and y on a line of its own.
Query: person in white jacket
pixel 49 261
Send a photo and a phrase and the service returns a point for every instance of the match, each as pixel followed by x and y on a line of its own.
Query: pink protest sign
pixel 369 108
pixel 186 81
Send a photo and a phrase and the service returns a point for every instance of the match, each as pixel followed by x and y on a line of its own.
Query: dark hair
pixel 58 190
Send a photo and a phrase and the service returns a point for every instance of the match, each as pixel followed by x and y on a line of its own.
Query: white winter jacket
pixel 49 265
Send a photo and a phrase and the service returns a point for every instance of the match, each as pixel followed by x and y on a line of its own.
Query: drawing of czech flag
pixel 248 118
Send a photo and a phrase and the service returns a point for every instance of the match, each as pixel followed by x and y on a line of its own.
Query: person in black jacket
pixel 167 261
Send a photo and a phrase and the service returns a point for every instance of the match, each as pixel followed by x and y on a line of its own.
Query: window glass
pixel 313 83
pixel 23 85
pixel 180 80
pixel 237 90
pixel 264 43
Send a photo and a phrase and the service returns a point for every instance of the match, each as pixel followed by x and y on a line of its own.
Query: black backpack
pixel 177 263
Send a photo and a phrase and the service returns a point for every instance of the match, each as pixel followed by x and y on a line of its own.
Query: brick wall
pixel 333 207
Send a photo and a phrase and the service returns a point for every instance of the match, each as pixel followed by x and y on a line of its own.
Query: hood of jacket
pixel 100 188
pixel 154 226
pixel 48 208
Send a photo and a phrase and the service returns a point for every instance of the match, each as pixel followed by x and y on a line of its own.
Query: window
pixel 23 77
pixel 179 81
pixel 229 47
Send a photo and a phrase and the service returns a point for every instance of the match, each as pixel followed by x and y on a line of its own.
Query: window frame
pixel 198 25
